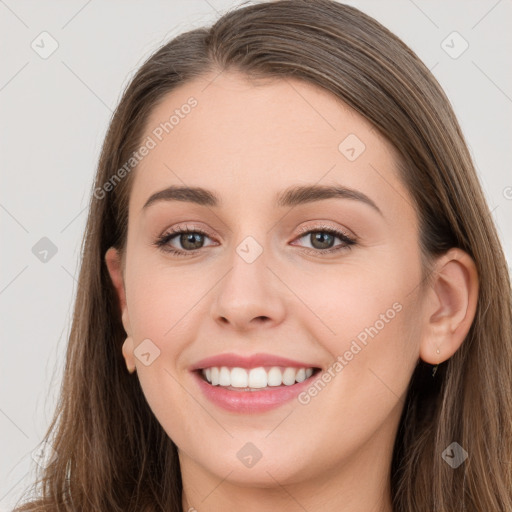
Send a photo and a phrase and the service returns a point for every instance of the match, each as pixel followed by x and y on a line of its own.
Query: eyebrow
pixel 290 197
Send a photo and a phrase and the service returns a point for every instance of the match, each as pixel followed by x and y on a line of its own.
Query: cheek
pixel 374 351
pixel 160 299
pixel 367 316
pixel 346 299
pixel 161 317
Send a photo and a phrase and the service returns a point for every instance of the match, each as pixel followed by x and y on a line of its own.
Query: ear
pixel 450 306
pixel 114 264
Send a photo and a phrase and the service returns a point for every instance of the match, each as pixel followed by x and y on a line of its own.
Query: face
pixel 329 282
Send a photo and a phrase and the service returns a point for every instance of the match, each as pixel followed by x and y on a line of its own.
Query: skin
pixel 247 142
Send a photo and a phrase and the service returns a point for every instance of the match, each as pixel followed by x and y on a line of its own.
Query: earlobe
pixel 451 306
pixel 129 358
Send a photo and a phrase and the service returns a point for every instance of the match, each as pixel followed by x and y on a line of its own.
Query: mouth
pixel 255 379
pixel 254 396
pixel 253 383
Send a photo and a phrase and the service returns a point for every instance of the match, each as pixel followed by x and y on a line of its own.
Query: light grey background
pixel 54 115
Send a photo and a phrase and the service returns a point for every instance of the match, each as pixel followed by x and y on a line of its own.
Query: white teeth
pixel 275 377
pixel 239 378
pixel 301 375
pixel 289 376
pixel 224 377
pixel 256 378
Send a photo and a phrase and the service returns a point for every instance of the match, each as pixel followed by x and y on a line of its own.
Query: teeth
pixel 289 376
pixel 301 375
pixel 255 378
pixel 238 378
pixel 224 377
pixel 274 377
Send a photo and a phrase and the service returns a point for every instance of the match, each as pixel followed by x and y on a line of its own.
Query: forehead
pixel 225 133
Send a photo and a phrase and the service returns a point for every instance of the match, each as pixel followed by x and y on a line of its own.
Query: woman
pixel 292 294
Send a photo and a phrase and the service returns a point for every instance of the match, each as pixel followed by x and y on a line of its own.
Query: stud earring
pixel 434 370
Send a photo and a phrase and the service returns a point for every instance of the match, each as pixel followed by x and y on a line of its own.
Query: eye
pixel 190 240
pixel 322 240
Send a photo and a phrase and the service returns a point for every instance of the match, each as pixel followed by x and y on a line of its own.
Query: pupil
pixel 191 237
pixel 321 237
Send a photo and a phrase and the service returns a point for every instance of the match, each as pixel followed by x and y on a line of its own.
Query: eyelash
pixel 164 239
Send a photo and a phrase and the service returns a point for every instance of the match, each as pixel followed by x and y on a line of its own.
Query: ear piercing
pixel 434 370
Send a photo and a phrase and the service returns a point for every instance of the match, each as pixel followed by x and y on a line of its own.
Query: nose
pixel 249 296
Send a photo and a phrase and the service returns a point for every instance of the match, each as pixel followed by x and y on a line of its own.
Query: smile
pixel 254 391
pixel 255 378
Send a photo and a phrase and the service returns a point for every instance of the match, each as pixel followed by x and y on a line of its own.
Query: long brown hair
pixel 112 454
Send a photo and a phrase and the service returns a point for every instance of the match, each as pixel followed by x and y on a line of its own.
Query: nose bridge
pixel 247 293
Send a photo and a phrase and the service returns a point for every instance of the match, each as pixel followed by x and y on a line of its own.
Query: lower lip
pixel 252 401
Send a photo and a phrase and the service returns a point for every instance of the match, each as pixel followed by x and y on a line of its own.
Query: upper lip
pixel 252 361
